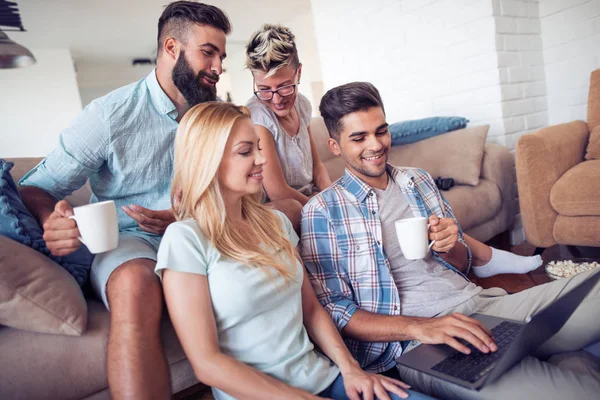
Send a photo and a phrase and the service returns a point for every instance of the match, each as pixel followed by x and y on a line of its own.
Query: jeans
pixel 336 391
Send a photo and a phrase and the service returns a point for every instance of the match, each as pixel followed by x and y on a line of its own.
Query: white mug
pixel 98 226
pixel 413 237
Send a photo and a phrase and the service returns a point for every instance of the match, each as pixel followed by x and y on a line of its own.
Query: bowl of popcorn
pixel 567 268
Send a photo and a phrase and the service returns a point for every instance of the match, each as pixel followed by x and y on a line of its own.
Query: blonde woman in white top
pixel 236 291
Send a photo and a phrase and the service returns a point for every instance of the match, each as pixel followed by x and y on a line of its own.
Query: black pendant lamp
pixel 12 55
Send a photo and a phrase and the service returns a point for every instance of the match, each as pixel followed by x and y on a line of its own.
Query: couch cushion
pixel 456 155
pixel 320 136
pixel 39 367
pixel 576 193
pixel 17 223
pixel 406 132
pixel 37 294
pixel 593 147
pixel 474 205
pixel 577 231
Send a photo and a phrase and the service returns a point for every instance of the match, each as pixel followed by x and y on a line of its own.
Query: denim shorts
pixel 132 245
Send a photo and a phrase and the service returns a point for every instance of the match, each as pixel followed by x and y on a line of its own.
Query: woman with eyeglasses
pixel 282 117
pixel 294 170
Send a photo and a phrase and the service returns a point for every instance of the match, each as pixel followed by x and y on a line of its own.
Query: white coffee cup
pixel 98 226
pixel 413 237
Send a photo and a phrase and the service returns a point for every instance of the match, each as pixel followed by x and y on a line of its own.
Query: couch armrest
pixel 498 166
pixel 542 158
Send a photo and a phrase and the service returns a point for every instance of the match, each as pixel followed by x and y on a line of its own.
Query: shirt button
pixel 395 308
pixel 357 247
pixel 373 212
pixel 379 243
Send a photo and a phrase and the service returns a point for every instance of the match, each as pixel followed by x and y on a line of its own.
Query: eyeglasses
pixel 284 91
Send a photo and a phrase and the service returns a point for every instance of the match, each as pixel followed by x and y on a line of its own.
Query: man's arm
pixel 370 327
pixel 39 203
pixel 81 152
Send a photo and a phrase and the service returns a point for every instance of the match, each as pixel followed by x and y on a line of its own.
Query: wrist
pixel 348 365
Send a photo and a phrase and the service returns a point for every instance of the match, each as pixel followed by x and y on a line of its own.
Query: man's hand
pixel 149 220
pixel 445 233
pixel 446 329
pixel 60 232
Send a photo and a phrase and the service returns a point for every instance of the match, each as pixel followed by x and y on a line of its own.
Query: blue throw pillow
pixel 406 132
pixel 17 223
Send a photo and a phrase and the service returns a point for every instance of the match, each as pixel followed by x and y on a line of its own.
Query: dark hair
pixel 177 17
pixel 346 99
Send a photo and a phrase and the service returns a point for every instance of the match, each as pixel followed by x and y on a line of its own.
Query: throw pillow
pixel 456 155
pixel 593 148
pixel 17 223
pixel 36 294
pixel 412 131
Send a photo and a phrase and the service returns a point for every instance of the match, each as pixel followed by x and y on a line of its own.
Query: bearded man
pixel 123 143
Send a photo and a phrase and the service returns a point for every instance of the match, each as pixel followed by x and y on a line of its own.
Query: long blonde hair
pixel 199 147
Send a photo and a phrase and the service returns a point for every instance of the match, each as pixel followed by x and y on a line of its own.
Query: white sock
pixel 503 262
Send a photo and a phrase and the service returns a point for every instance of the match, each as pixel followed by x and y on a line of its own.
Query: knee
pixel 134 286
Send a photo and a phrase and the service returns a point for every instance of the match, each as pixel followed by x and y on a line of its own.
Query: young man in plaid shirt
pixel 381 301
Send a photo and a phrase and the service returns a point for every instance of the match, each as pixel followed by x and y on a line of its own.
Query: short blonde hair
pixel 199 147
pixel 271 48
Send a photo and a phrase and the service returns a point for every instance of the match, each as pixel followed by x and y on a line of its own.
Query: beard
pixel 190 85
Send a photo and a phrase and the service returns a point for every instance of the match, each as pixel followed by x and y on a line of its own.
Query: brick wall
pixel 521 68
pixel 571 47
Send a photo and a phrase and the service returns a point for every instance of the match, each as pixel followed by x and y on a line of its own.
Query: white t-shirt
pixel 294 152
pixel 259 317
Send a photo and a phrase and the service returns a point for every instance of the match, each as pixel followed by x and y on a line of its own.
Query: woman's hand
pixel 371 386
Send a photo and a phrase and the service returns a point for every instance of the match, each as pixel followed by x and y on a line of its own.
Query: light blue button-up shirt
pixel 123 143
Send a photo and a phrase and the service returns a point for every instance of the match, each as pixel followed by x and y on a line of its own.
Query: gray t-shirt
pixel 294 151
pixel 426 287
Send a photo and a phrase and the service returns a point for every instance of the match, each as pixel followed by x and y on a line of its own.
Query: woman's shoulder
pixel 261 115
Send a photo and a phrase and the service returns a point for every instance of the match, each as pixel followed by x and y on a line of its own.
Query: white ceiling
pixel 114 32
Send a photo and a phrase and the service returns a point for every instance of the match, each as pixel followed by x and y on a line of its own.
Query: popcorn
pixel 568 268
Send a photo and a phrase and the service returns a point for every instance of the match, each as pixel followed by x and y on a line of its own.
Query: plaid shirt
pixel 342 249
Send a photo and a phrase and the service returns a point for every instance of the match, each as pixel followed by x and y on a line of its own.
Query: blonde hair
pixel 271 48
pixel 199 147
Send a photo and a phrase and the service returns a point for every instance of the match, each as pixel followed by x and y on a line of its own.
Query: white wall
pixel 427 57
pixel 571 43
pixel 37 102
pixel 96 80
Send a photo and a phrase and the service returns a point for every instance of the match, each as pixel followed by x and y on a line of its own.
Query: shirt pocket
pixel 360 254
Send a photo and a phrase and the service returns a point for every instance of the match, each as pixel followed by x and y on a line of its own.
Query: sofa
pixel 484 199
pixel 41 366
pixel 49 366
pixel 558 171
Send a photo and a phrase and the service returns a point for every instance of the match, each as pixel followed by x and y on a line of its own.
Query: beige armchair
pixel 558 176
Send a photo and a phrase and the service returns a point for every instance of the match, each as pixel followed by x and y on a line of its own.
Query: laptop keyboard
pixel 473 366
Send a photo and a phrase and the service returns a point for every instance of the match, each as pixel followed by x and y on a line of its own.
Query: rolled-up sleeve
pixel 82 150
pixel 325 266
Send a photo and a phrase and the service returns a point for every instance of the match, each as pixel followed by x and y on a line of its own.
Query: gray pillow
pixel 456 155
pixel 37 294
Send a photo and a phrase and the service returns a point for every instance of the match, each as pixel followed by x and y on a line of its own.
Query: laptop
pixel 515 340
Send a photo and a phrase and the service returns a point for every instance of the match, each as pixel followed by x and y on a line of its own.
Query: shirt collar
pixel 160 99
pixel 360 189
